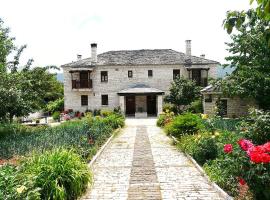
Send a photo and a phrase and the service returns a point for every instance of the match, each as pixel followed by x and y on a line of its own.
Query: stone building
pixel 231 107
pixel 135 80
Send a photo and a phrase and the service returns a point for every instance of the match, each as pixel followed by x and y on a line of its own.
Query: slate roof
pixel 211 89
pixel 140 57
pixel 140 89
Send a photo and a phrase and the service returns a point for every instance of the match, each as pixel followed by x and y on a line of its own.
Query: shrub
pixel 184 124
pixel 196 106
pixel 115 121
pixel 96 112
pixel 56 115
pixel 168 107
pixel 201 147
pixel 257 127
pixel 14 186
pixel 57 105
pixel 218 123
pixel 165 118
pixel 106 112
pixel 60 174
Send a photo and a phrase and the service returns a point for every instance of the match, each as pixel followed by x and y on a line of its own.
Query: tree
pixel 250 54
pixel 182 93
pixel 23 91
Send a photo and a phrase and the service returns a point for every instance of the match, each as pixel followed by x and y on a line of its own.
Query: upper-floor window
pixel 130 74
pixel 104 100
pixel 176 73
pixel 150 73
pixel 104 76
pixel 84 100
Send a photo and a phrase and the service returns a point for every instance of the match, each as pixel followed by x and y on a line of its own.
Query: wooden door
pixel 151 105
pixel 84 79
pixel 130 105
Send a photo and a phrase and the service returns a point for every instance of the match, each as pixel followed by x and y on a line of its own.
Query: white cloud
pixel 55 31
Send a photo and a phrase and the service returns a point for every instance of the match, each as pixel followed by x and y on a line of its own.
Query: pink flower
pixel 245 144
pixel 228 148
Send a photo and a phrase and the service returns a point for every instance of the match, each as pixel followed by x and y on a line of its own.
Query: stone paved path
pixel 141 163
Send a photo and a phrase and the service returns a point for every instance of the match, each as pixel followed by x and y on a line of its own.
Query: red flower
pixel 242 181
pixel 258 154
pixel 266 147
pixel 245 144
pixel 228 148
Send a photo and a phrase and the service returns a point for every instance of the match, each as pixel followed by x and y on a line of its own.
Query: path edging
pixel 93 160
pixel 202 172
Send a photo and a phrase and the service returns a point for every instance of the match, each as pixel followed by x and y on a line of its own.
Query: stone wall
pixel 236 107
pixel 118 80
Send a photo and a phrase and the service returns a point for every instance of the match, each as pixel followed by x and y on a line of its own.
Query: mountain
pixel 60 77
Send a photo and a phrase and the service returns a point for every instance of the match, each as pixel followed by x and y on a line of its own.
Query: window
pixel 176 73
pixel 84 100
pixel 104 100
pixel 222 107
pixel 208 98
pixel 104 76
pixel 130 74
pixel 150 73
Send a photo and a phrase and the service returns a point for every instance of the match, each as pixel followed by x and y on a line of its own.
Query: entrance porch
pixel 141 102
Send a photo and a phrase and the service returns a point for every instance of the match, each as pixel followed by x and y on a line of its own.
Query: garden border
pixel 202 172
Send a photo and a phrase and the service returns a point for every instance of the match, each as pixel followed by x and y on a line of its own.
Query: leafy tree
pixel 23 91
pixel 182 92
pixel 250 54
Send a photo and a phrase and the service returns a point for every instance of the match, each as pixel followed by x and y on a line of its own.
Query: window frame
pixel 106 103
pixel 175 74
pixel 130 74
pixel 104 77
pixel 84 102
pixel 150 73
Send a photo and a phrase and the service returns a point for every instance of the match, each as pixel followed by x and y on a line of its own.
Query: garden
pixel 51 162
pixel 234 153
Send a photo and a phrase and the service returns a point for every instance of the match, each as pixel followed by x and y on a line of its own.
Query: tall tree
pixel 250 54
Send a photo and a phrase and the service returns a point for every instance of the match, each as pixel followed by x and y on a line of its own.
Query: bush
pixel 96 112
pixel 196 106
pixel 106 112
pixel 57 105
pixel 56 116
pixel 201 147
pixel 168 107
pixel 218 123
pixel 257 127
pixel 165 118
pixel 115 121
pixel 60 174
pixel 184 124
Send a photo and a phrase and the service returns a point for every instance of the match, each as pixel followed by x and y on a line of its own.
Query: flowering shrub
pixel 228 148
pixel 252 166
pixel 165 118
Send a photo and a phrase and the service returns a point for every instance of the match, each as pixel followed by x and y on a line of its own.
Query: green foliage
pixel 218 123
pixel 15 186
pixel 165 118
pixel 115 120
pixel 249 54
pixel 186 124
pixel 196 106
pixel 105 112
pixel 60 174
pixel 56 115
pixel 182 92
pixel 168 107
pixel 57 105
pixel 257 127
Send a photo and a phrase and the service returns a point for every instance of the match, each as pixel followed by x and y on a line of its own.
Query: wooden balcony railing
pixel 82 84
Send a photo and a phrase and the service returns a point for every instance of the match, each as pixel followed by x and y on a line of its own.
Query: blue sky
pixel 55 31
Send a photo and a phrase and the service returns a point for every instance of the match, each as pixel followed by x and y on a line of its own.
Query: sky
pixel 55 31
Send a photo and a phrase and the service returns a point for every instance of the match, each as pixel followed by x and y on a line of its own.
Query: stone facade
pixel 236 107
pixel 118 80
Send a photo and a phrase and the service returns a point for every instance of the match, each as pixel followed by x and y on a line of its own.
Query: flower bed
pixel 238 165
pixel 52 160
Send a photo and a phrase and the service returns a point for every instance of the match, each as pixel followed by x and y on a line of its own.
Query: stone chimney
pixel 202 56
pixel 94 52
pixel 188 49
pixel 79 57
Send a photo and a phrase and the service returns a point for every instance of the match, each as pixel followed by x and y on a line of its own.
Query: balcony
pixel 82 85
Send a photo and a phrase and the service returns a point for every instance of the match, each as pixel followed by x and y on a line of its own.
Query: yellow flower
pixel 217 133
pixel 21 189
pixel 213 136
pixel 199 136
pixel 204 116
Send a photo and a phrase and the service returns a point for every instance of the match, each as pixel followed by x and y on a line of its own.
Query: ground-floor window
pixel 104 100
pixel 222 106
pixel 84 100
